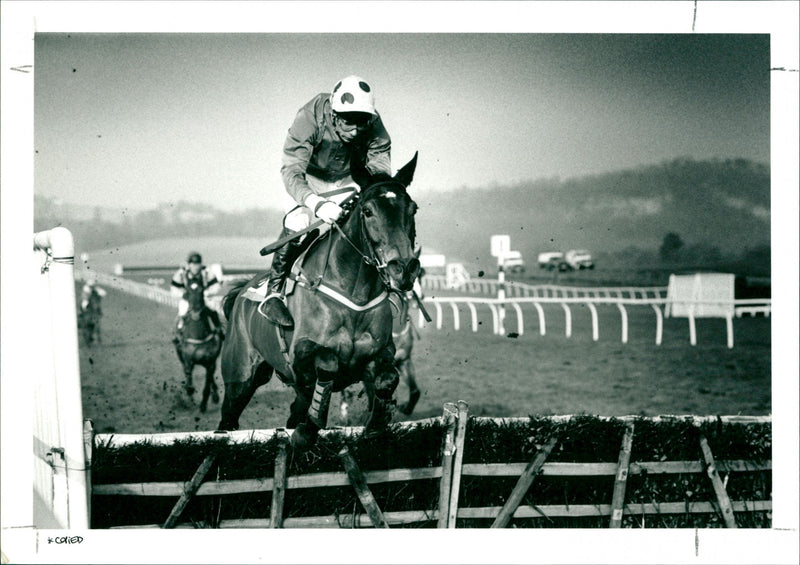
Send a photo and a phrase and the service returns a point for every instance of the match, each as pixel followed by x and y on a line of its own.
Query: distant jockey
pixel 89 288
pixel 327 131
pixel 187 277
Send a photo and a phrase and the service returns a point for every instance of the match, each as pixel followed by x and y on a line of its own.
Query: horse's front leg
pixel 188 385
pixel 380 381
pixel 325 363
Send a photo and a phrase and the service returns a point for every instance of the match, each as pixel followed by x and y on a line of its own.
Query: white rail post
pixel 520 321
pixel 456 317
pixel 60 481
pixel 595 324
pixel 501 295
pixel 729 328
pixel 474 315
pixel 659 323
pixel 500 246
pixel 438 315
pixel 624 317
pixel 540 311
pixel 567 319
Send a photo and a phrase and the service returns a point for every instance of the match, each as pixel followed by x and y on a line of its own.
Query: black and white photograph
pixel 312 266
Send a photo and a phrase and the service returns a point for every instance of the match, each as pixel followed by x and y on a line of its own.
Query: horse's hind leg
pixel 188 369
pixel 238 394
pixel 408 374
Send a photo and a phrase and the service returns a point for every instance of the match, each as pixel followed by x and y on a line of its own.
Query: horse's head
pixel 195 297
pixel 387 215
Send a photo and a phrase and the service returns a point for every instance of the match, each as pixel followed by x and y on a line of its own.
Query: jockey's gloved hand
pixel 325 210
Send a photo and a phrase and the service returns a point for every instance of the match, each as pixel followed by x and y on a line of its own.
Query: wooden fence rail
pixel 450 473
pixel 319 480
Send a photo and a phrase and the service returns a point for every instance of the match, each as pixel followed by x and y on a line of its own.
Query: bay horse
pixel 200 344
pixel 343 321
pixel 89 316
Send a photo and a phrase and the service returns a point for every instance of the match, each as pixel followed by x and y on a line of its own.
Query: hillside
pixel 721 207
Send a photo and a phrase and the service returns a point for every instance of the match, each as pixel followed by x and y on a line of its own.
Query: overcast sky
pixel 136 119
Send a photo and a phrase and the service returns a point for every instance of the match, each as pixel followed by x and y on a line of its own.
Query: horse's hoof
pixel 190 390
pixel 303 439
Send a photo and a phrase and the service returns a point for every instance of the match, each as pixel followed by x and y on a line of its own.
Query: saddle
pixel 259 292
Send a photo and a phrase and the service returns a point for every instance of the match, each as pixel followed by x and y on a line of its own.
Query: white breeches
pixel 183 307
pixel 299 217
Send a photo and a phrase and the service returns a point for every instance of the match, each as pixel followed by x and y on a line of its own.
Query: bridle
pixel 371 257
pixel 367 253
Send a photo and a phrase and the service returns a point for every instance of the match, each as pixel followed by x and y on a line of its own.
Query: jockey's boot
pixel 282 259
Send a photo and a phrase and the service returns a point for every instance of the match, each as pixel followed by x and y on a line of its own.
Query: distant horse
pixel 89 316
pixel 343 320
pixel 200 344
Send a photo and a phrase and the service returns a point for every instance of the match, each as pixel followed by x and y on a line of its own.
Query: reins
pixel 370 258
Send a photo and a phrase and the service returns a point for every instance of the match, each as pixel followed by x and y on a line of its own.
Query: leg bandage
pixel 318 411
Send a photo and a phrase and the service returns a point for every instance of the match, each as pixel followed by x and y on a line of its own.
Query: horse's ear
pixel 358 169
pixel 406 174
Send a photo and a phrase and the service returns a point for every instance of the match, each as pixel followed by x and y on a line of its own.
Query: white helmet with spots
pixel 353 94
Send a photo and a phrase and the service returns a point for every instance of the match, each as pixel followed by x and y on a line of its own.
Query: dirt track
pixel 132 381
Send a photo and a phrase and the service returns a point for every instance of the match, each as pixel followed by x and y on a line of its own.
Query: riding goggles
pixel 357 120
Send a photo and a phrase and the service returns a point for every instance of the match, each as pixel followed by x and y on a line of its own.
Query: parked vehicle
pixel 572 260
pixel 550 260
pixel 578 259
pixel 513 262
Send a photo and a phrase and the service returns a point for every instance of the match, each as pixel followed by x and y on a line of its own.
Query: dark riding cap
pixel 194 257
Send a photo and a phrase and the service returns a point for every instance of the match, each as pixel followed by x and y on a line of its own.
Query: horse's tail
pixel 230 298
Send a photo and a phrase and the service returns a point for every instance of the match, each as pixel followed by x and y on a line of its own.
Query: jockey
pixel 193 273
pixel 327 131
pixel 89 288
